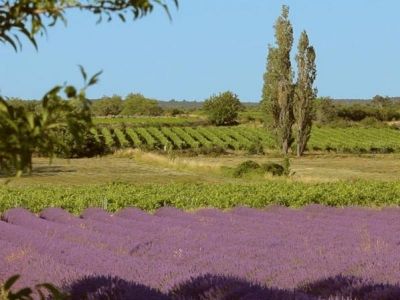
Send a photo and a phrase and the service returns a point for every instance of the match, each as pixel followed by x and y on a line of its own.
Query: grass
pixel 136 167
pixel 87 171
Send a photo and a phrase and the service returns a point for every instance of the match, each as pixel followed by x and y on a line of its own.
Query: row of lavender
pixel 313 252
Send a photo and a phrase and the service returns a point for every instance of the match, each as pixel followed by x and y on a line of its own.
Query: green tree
pixel 139 105
pixel 269 102
pixel 278 90
pixel 305 92
pixel 325 110
pixel 380 101
pixel 23 132
pixel 223 109
pixel 107 106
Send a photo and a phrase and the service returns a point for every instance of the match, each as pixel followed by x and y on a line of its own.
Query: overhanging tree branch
pixel 27 17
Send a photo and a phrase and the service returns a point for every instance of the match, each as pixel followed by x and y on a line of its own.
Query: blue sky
pixel 213 46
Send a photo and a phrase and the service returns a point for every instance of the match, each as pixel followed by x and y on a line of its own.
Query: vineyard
pixel 342 140
pixel 149 197
pixel 150 121
pixel 326 253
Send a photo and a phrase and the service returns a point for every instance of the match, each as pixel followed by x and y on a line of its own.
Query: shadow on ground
pixel 43 171
pixel 51 170
pixel 215 287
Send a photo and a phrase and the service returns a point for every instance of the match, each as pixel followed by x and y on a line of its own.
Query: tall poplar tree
pixel 305 93
pixel 278 90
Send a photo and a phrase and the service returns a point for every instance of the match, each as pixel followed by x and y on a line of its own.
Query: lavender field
pixel 278 253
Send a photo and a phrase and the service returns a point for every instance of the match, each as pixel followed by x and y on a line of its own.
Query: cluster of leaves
pixel 23 133
pixel 28 17
pixel 41 291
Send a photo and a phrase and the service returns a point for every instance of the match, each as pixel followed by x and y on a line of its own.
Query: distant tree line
pixel 221 109
pixel 132 105
pixel 326 111
pixel 346 113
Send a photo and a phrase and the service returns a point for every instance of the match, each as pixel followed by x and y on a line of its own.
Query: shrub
pixel 371 122
pixel 245 167
pixel 89 146
pixel 273 168
pixel 223 109
pixel 212 151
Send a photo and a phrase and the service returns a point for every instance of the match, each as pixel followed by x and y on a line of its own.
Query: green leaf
pixel 30 118
pixel 10 41
pixel 56 293
pixel 29 36
pixel 94 79
pixel 70 91
pixel 84 75
pixel 24 293
pixel 10 282
pixel 122 17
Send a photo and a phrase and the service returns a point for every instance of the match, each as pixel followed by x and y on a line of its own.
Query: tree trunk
pixel 300 143
pixel 285 146
pixel 299 150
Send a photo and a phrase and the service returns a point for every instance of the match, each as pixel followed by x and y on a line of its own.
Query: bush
pixel 245 167
pixel 175 112
pixel 371 122
pixel 355 112
pixel 223 109
pixel 89 146
pixel 212 151
pixel 273 168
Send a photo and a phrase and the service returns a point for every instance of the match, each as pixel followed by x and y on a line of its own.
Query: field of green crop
pixel 354 139
pixel 149 121
pixel 190 196
pixel 341 140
